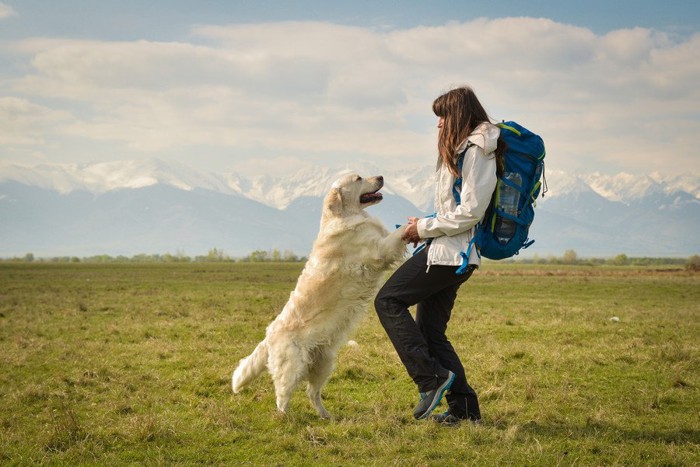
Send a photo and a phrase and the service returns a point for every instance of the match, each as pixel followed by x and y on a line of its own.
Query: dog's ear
pixel 334 201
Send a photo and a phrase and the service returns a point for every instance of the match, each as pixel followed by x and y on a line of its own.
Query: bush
pixel 693 263
pixel 621 260
pixel 570 257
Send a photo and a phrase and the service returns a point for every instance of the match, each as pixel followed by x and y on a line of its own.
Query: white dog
pixel 347 262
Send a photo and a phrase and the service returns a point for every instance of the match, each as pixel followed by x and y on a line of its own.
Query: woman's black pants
pixel 422 344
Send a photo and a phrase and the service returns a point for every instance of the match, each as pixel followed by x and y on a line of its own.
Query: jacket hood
pixel 485 136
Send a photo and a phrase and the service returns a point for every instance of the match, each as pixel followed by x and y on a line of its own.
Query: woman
pixel 430 278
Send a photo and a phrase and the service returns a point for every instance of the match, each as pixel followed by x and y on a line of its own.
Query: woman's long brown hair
pixel 462 112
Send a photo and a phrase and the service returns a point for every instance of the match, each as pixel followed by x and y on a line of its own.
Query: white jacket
pixel 453 226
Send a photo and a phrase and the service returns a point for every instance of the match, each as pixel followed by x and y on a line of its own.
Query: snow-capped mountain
pixel 689 183
pixel 152 206
pixel 277 192
pixel 109 176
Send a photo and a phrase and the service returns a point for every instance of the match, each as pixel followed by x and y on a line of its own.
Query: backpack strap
pixel 465 257
pixel 457 185
pixel 456 190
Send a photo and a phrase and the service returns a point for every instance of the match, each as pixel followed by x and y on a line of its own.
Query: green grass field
pixel 130 364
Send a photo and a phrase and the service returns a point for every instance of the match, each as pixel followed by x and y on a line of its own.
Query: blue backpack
pixel 503 231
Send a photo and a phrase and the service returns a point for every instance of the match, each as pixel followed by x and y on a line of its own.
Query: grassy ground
pixel 130 364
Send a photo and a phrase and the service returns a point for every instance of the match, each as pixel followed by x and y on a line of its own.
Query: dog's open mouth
pixel 372 197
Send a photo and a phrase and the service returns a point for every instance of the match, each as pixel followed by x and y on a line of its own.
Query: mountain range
pixel 153 206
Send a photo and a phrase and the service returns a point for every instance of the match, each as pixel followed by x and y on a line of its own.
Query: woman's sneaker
pixel 429 400
pixel 445 419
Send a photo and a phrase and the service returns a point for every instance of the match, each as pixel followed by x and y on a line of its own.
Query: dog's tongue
pixel 369 197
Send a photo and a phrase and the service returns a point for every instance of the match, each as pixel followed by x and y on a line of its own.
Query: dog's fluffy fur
pixel 349 258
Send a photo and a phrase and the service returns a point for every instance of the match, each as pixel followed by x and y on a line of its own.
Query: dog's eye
pixel 358 178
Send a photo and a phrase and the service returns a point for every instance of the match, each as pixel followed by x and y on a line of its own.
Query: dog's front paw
pixel 400 230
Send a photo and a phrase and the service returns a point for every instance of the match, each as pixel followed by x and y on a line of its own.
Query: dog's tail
pixel 250 367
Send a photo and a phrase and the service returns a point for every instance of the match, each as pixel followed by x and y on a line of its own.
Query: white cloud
pixel 297 91
pixel 23 123
pixel 6 11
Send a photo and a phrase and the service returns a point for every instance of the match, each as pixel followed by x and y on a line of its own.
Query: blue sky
pixel 262 86
pixel 172 19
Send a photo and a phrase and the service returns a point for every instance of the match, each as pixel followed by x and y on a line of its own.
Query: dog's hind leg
pixel 288 368
pixel 319 372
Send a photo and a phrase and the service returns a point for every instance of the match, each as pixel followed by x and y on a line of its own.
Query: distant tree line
pixel 570 257
pixel 216 255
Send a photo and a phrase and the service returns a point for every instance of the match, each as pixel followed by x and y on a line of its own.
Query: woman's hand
pixel 410 234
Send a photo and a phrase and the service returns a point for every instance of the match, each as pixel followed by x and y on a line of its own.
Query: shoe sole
pixel 442 419
pixel 438 396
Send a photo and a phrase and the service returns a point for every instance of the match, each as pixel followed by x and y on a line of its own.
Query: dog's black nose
pixel 380 178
